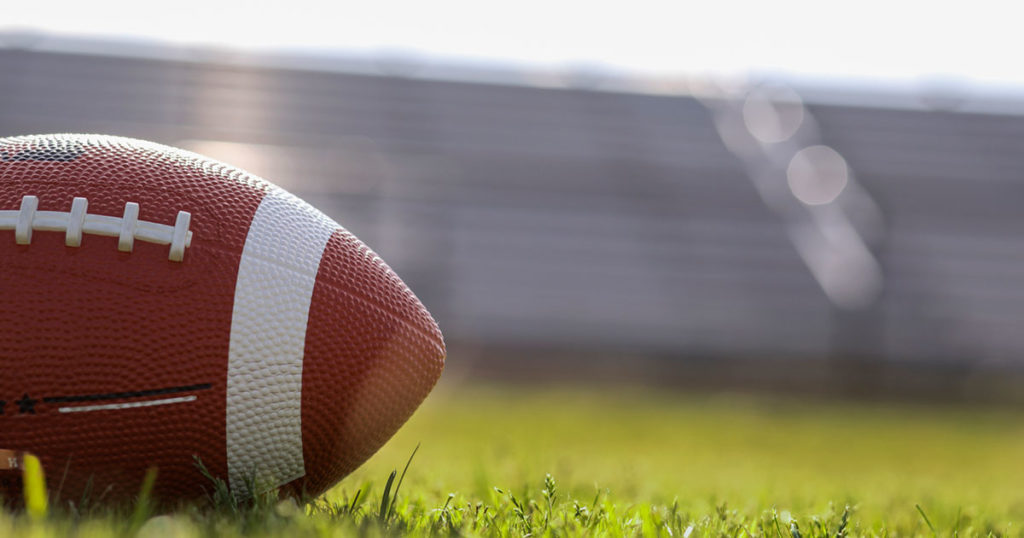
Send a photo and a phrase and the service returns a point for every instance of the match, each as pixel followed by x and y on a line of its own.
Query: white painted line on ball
pixel 276 276
pixel 105 407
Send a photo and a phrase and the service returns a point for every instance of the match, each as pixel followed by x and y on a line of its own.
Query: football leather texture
pixel 160 308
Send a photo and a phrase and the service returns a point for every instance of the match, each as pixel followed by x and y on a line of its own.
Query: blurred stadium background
pixel 579 225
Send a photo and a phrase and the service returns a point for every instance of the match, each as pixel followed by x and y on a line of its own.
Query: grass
pixel 502 461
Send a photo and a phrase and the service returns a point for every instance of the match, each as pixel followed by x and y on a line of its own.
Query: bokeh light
pixel 817 175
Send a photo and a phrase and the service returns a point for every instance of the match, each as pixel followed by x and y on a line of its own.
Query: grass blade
pixel 394 498
pixel 923 515
pixel 34 485
pixel 385 506
pixel 144 503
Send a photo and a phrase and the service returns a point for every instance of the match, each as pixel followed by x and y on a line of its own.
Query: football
pixel 161 308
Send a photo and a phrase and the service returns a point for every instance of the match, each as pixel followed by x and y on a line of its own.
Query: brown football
pixel 159 306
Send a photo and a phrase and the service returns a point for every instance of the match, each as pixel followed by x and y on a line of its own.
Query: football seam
pixel 79 221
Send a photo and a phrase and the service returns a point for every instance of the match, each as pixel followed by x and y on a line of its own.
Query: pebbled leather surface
pixel 92 326
pixel 388 351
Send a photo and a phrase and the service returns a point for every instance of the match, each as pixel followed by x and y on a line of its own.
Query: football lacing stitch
pixel 78 221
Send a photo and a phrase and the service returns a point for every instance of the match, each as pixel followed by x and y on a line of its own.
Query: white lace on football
pixel 78 221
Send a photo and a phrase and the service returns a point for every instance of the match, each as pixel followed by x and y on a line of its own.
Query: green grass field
pixel 639 462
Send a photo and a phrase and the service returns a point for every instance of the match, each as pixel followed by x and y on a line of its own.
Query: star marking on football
pixel 26 405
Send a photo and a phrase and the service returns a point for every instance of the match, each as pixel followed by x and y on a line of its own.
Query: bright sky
pixel 968 42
